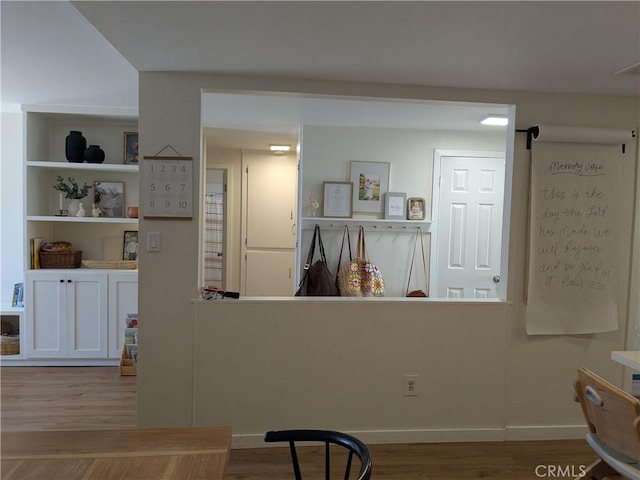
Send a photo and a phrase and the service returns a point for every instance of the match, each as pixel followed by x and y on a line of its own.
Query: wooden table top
pixel 136 454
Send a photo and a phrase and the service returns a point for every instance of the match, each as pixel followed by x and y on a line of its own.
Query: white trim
pixel 373 437
pixel 546 432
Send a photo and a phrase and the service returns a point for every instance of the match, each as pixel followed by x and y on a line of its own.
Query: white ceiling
pixel 89 52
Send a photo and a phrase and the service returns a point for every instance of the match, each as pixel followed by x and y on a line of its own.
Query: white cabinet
pixel 123 299
pixel 66 314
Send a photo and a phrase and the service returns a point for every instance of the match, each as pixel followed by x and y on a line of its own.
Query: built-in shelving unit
pixel 46 130
pixel 87 329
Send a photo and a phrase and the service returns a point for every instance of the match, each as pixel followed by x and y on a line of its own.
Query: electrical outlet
pixel 410 385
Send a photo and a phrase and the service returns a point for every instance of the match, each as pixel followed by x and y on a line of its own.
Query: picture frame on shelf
pixel 370 183
pixel 109 198
pixel 18 295
pixel 416 208
pixel 130 152
pixel 337 199
pixel 395 206
pixel 130 245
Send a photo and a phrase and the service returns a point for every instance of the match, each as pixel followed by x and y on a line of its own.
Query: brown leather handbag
pixel 317 281
pixel 418 293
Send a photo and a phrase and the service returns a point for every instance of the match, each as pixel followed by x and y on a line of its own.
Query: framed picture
pixel 130 156
pixel 415 208
pixel 395 204
pixel 337 199
pixel 109 198
pixel 371 182
pixel 18 295
pixel 130 250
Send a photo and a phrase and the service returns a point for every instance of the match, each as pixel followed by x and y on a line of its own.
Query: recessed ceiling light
pixel 279 148
pixel 500 120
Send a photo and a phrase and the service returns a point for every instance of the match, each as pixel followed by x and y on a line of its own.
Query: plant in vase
pixel 73 191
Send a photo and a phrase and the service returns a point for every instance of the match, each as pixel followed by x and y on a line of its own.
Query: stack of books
pixel 131 337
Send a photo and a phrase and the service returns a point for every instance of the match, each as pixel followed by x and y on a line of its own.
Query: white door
pixel 469 226
pixel 269 224
pixel 87 331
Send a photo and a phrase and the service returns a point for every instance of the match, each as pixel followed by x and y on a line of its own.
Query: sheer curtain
pixel 213 226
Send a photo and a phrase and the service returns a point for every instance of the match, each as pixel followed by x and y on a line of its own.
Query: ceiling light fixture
pixel 499 120
pixel 279 148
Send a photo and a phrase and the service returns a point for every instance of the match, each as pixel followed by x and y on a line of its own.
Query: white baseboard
pixel 372 437
pixel 547 432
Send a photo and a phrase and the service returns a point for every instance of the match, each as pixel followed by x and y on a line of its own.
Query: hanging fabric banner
pixel 574 231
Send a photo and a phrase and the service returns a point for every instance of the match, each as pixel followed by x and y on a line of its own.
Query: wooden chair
pixel 352 444
pixel 613 418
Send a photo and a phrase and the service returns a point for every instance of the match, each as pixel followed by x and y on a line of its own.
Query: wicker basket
pixel 10 345
pixel 56 247
pixel 61 260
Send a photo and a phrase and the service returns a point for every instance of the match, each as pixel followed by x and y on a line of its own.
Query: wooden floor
pixel 69 398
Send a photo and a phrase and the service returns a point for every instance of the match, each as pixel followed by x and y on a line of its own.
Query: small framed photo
pixel 395 205
pixel 109 198
pixel 371 182
pixel 415 208
pixel 130 156
pixel 337 199
pixel 130 250
pixel 18 295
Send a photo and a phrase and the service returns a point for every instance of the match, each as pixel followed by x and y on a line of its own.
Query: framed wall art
pixel 337 199
pixel 130 156
pixel 130 250
pixel 395 206
pixel 109 198
pixel 370 183
pixel 416 206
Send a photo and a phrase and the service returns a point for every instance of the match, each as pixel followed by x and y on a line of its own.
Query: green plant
pixel 71 189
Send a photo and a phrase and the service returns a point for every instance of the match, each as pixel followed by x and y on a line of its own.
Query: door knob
pixel 496 279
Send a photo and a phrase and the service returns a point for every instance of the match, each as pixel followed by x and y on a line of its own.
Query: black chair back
pixel 328 437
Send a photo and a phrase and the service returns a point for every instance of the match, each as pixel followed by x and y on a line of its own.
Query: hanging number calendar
pixel 168 188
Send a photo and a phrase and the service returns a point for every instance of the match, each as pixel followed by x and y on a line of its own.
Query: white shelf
pixel 95 167
pixel 52 218
pixel 368 223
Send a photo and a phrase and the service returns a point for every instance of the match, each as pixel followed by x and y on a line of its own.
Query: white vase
pixel 73 207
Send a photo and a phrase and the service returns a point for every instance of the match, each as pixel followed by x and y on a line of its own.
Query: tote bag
pixel 418 293
pixel 317 281
pixel 361 277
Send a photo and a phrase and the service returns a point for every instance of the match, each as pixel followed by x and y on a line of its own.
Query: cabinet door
pixel 123 299
pixel 45 311
pixel 86 299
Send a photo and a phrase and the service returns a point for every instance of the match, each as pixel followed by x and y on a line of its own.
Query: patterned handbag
pixel 361 277
pixel 418 293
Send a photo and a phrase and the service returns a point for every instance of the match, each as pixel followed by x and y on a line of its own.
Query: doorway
pixel 214 228
pixel 468 210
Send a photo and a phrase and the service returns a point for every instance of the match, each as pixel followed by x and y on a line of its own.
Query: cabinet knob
pixel 61 280
pixel 68 281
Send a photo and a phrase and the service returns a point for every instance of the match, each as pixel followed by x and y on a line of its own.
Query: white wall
pixel 12 243
pixel 539 371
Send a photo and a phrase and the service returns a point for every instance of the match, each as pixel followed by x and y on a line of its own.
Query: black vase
pixel 75 146
pixel 94 154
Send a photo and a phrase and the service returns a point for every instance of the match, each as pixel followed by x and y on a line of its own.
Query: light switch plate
pixel 153 241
